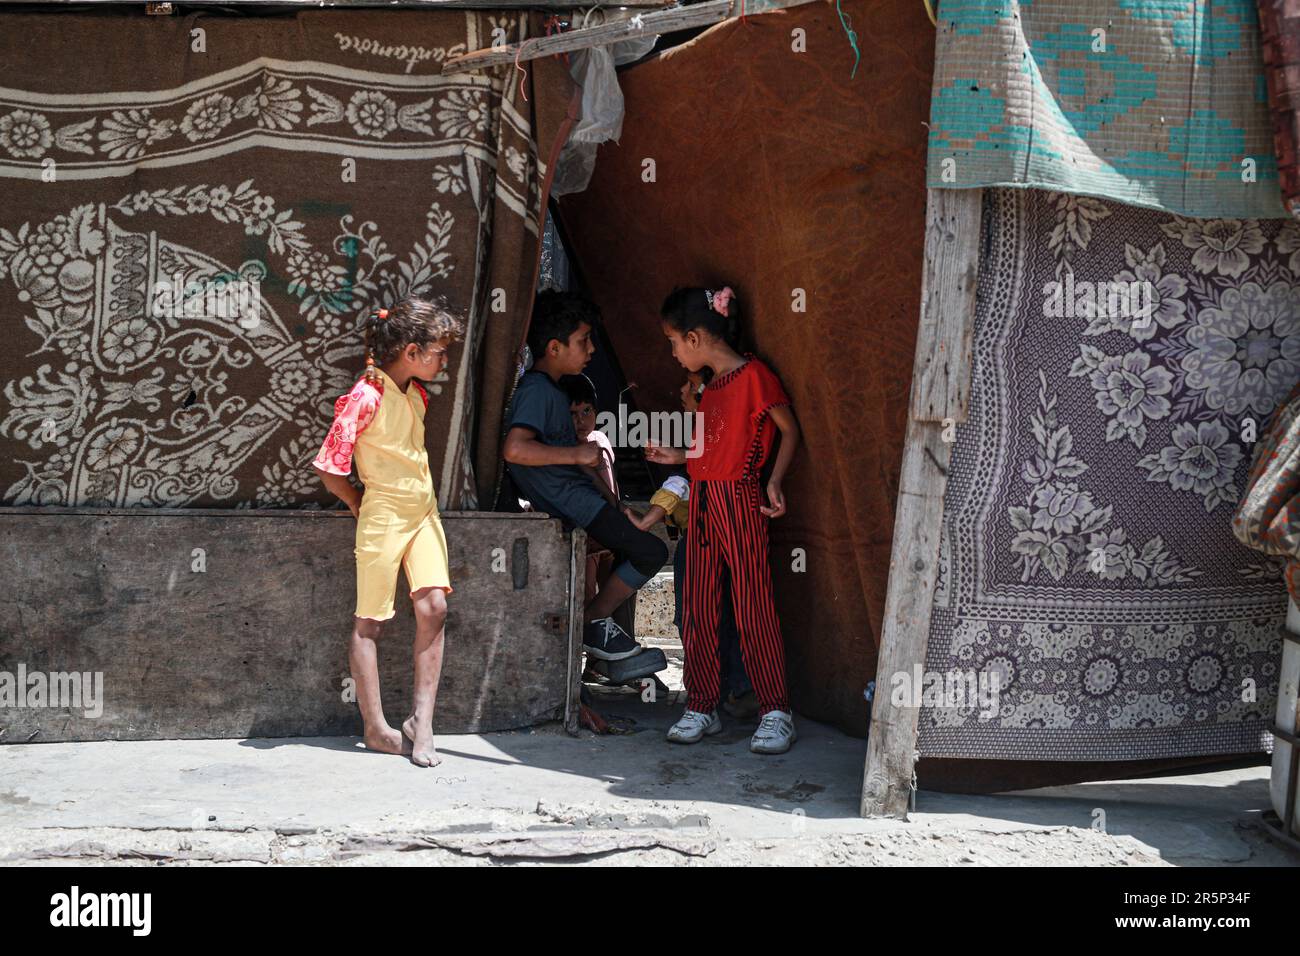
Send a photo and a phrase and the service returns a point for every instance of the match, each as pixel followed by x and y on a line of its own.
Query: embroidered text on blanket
pixel 411 55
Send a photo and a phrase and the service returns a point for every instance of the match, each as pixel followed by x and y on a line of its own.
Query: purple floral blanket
pixel 1088 557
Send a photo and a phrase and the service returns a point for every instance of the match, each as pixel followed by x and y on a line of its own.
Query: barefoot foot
pixel 423 753
pixel 384 740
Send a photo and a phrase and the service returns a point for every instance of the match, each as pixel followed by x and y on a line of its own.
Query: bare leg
pixel 614 593
pixel 430 631
pixel 363 659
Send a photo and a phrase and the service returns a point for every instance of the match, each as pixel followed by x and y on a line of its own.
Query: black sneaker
pixel 605 640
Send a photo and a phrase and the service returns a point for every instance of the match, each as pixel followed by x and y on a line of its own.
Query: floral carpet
pixel 1088 557
pixel 190 238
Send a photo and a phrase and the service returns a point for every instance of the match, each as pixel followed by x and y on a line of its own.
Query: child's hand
pixel 777 497
pixel 343 490
pixel 635 517
pixel 664 456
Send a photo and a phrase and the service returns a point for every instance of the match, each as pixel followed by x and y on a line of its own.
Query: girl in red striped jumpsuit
pixel 744 407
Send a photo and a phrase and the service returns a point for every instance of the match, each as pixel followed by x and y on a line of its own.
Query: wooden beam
pixel 261 5
pixel 289 514
pixel 952 244
pixel 577 605
pixel 645 24
pixel 941 376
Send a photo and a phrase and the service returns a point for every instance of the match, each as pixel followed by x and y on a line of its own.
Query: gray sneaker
pixel 775 733
pixel 692 726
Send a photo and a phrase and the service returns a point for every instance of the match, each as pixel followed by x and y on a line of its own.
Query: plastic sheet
pixel 601 115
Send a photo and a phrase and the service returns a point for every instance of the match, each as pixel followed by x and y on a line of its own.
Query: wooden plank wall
pixel 236 623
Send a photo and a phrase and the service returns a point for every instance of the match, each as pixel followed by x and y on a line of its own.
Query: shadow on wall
pixel 804 189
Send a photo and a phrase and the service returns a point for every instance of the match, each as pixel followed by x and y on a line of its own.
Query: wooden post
pixel 940 399
pixel 400 4
pixel 577 605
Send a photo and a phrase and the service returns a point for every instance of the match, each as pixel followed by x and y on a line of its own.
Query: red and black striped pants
pixel 727 530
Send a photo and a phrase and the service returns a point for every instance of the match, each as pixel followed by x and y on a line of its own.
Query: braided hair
pixel 412 321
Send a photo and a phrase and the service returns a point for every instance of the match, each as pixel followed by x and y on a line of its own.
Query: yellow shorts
pixel 386 540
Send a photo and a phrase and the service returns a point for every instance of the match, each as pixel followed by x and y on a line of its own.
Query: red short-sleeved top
pixel 738 430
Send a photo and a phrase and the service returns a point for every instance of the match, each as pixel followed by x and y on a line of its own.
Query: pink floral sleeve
pixel 352 413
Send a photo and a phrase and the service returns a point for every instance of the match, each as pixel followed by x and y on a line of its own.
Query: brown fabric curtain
pixel 778 171
pixel 195 213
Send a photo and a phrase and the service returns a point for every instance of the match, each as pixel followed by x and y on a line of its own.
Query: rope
pixel 524 76
pixel 853 37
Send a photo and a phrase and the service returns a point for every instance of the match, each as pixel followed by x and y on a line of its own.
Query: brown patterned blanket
pixel 196 211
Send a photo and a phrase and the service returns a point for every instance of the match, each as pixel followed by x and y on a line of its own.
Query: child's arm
pixel 665 456
pixel 597 475
pixel 598 480
pixel 784 418
pixel 353 413
pixel 651 518
pixel 342 489
pixel 521 448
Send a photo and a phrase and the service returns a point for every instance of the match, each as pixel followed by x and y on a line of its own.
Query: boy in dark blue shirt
pixel 557 473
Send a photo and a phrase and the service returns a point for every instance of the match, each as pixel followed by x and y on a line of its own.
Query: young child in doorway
pixel 744 407
pixel 379 424
pixel 671 504
pixel 600 560
pixel 582 406
pixel 547 464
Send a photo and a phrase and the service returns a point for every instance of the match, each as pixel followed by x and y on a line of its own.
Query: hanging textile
pixel 197 211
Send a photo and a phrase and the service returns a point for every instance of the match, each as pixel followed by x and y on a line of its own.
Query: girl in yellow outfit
pixel 380 423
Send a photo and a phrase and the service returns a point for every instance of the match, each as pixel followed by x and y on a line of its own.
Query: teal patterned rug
pixel 1156 103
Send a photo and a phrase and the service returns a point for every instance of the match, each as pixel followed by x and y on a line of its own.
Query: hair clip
pixel 720 301
pixel 383 314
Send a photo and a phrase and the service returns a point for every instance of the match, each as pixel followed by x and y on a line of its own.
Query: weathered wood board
pixel 941 371
pixel 645 23
pixel 236 623
pixel 940 390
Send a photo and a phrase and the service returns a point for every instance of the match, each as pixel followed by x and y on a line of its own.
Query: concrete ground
pixel 540 795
